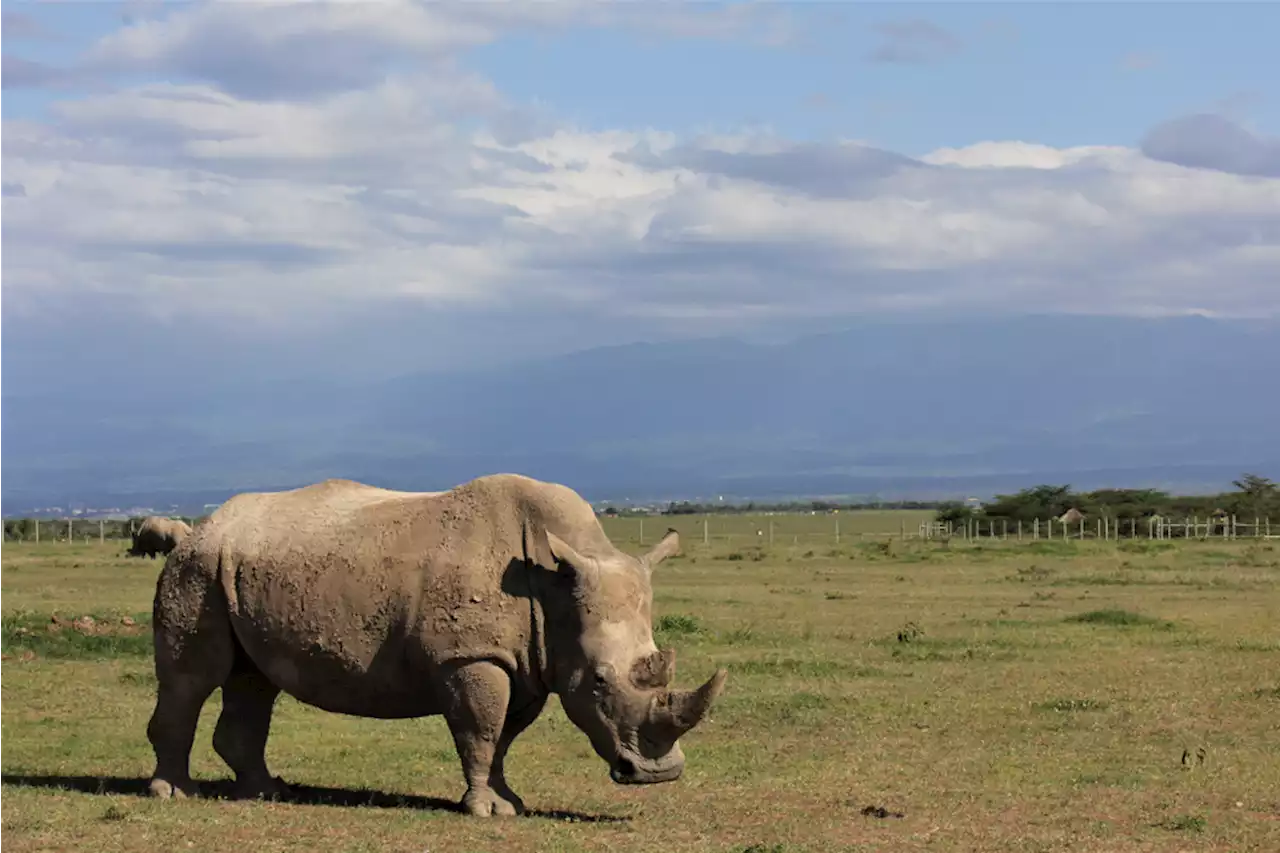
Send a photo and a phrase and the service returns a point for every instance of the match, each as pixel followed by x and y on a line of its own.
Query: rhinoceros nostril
pixel 625 767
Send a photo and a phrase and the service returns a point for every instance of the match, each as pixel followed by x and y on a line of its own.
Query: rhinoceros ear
pixel 569 561
pixel 668 546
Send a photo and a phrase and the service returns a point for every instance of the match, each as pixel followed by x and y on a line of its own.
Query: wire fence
pixel 784 528
pixel 76 529
pixel 1155 527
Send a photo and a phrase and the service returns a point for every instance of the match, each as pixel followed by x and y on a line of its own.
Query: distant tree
pixel 1255 495
pixel 1128 503
pixel 1042 502
pixel 955 512
pixel 1255 486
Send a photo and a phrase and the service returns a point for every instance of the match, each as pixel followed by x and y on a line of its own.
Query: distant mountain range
pixel 922 409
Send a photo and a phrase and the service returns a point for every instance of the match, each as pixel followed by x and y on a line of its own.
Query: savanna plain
pixel 884 694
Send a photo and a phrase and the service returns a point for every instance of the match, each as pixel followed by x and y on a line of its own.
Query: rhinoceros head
pixel 613 682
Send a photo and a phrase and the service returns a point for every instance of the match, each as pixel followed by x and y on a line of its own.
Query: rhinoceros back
pixel 349 597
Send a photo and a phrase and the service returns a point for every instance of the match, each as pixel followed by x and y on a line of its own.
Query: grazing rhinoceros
pixel 476 603
pixel 158 535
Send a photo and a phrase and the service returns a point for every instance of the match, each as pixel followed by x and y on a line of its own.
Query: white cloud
pixel 1015 154
pixel 306 48
pixel 1214 142
pixel 212 198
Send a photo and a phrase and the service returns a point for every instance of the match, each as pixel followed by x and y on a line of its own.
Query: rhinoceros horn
pixel 654 670
pixel 680 710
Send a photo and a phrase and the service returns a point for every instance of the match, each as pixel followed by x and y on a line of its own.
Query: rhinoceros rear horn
pixel 686 708
pixel 654 670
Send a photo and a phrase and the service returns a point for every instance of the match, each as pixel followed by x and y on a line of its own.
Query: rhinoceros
pixel 475 603
pixel 158 535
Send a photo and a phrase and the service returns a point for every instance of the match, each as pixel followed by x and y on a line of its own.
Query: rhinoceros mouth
pixel 628 772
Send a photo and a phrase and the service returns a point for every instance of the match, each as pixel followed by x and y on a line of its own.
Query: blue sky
pixel 249 200
pixel 1059 73
pixel 1062 73
pixel 627 171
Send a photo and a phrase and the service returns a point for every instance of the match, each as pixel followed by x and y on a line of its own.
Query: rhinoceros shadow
pixel 306 795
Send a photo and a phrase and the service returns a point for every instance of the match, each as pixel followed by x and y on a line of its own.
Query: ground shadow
pixel 310 795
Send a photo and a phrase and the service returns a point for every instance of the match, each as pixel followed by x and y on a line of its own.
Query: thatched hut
pixel 1071 516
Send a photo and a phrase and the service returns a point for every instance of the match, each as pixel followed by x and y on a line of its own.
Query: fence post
pixel 37 530
pixel 102 533
pixel 70 540
pixel 771 533
pixel 902 529
pixel 837 530
pixel 1019 530
pixel 706 531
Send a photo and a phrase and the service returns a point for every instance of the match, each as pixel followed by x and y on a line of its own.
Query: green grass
pixel 908 696
pixel 100 636
pixel 752 529
pixel 1119 618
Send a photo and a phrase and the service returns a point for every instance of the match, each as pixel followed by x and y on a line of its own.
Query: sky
pixel 382 187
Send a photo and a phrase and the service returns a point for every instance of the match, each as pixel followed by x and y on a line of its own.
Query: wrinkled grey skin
pixel 475 604
pixel 158 535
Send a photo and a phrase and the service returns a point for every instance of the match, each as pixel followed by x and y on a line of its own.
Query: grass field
pixel 753 528
pixel 882 695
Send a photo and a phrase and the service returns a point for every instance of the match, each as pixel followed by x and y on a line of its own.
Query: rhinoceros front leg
pixel 517 721
pixel 476 699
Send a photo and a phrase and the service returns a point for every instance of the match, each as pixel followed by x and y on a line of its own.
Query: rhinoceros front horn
pixel 686 708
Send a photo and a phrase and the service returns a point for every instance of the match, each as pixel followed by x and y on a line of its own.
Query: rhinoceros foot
pixel 163 789
pixel 488 802
pixel 262 788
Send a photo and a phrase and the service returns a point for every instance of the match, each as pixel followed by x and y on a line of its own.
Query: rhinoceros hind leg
pixel 240 736
pixel 194 653
pixel 171 730
pixel 476 711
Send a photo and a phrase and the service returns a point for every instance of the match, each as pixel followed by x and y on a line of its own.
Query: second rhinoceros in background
pixel 475 604
pixel 158 535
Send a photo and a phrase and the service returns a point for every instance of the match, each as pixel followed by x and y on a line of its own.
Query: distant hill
pixel 899 409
